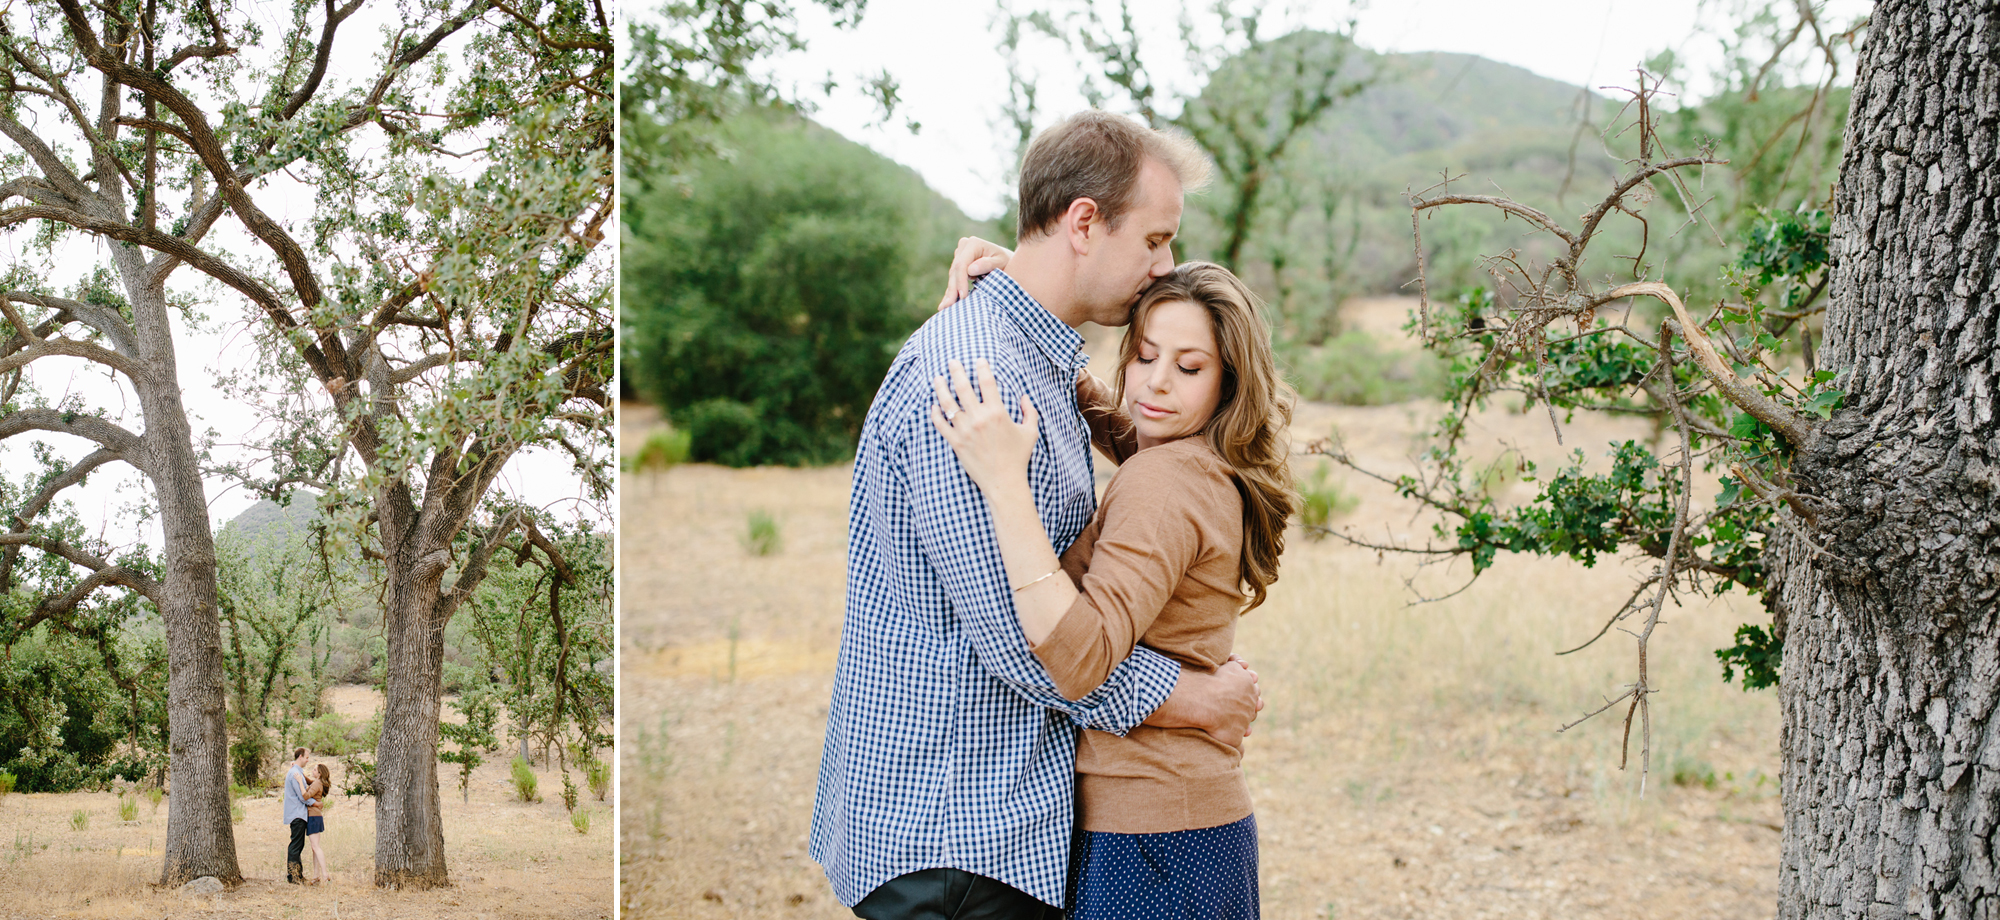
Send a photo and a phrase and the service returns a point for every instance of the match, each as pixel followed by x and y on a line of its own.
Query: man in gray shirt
pixel 295 816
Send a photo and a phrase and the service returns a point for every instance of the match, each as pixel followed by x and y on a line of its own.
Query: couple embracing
pixel 954 782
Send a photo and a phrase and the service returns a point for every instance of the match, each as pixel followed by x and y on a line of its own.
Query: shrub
pixel 360 779
pixel 236 813
pixel 524 781
pixel 79 819
pixel 6 784
pixel 766 294
pixel 581 821
pixel 662 450
pixel 154 795
pixel 1353 369
pixel 246 756
pixel 569 793
pixel 598 774
pixel 128 809
pixel 336 735
pixel 760 534
pixel 1320 501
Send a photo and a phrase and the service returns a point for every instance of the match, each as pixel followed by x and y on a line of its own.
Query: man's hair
pixel 1097 155
pixel 298 753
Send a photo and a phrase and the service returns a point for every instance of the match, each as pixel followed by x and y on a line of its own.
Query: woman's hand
pixel 973 258
pixel 993 449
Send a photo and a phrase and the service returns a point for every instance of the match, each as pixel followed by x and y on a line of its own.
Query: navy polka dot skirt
pixel 1210 874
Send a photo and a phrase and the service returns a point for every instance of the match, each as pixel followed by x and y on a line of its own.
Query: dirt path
pixel 507 858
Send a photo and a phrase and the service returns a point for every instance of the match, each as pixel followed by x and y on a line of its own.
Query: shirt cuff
pixel 1137 686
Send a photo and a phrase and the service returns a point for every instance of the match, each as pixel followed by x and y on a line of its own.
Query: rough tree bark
pixel 1891 645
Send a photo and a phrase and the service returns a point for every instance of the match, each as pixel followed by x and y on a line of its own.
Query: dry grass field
pixel 1406 765
pixel 509 860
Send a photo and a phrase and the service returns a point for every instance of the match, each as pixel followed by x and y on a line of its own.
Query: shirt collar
pixel 1062 345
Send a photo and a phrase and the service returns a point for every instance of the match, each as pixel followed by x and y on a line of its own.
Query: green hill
pixel 268 519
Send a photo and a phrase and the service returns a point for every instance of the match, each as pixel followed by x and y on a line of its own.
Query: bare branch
pixel 1790 425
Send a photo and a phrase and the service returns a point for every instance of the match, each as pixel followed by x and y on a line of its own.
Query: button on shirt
pixel 947 745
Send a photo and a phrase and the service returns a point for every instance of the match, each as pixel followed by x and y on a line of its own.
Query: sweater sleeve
pixel 1150 536
pixel 1110 431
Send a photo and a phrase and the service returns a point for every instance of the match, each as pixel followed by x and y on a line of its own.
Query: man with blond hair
pixel 946 781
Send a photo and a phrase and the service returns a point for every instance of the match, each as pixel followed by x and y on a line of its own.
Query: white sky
pixel 954 81
pixel 540 477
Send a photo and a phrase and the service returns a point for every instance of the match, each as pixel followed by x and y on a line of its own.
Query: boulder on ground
pixel 207 884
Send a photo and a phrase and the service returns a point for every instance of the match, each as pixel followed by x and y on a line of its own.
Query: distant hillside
pixel 267 518
pixel 1339 201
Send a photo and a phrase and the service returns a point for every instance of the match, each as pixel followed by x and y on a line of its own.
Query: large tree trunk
pixel 200 839
pixel 1892 647
pixel 409 827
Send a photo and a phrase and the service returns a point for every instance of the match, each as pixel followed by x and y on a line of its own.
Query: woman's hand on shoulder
pixel 973 258
pixel 991 446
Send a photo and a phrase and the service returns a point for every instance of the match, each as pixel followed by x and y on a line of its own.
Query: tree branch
pixel 1790 425
pixel 89 427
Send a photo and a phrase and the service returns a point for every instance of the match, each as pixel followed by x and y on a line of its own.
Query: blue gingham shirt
pixel 947 745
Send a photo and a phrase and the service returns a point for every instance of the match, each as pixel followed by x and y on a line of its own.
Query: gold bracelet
pixel 1037 581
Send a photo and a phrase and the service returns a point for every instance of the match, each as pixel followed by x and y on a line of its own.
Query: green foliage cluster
pixel 551 669
pixel 760 534
pixel 1353 369
pixel 764 300
pixel 358 776
pixel 336 735
pixel 68 721
pixel 1321 499
pixel 524 781
pixel 472 737
pixel 1638 500
pixel 662 450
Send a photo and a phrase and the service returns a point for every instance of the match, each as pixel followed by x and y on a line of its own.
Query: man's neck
pixel 1046 271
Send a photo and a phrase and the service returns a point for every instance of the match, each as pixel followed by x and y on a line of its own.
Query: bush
pixel 760 534
pixel 128 809
pixel 246 756
pixel 1352 369
pixel 662 450
pixel 524 781
pixel 598 774
pixel 1320 501
pixel 569 793
pixel 154 795
pixel 79 819
pixel 766 293
pixel 236 813
pixel 360 779
pixel 581 821
pixel 6 784
pixel 336 735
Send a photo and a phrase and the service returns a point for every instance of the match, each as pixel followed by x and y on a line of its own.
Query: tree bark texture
pixel 409 826
pixel 1887 603
pixel 200 837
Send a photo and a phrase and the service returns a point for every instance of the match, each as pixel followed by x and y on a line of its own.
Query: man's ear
pixel 1083 225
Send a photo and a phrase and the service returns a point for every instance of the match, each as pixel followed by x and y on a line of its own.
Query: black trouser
pixel 294 869
pixel 951 894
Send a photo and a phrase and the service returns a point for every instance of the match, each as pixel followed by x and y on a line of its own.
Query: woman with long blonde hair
pixel 1186 539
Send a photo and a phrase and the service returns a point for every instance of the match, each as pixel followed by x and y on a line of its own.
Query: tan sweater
pixel 1159 564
